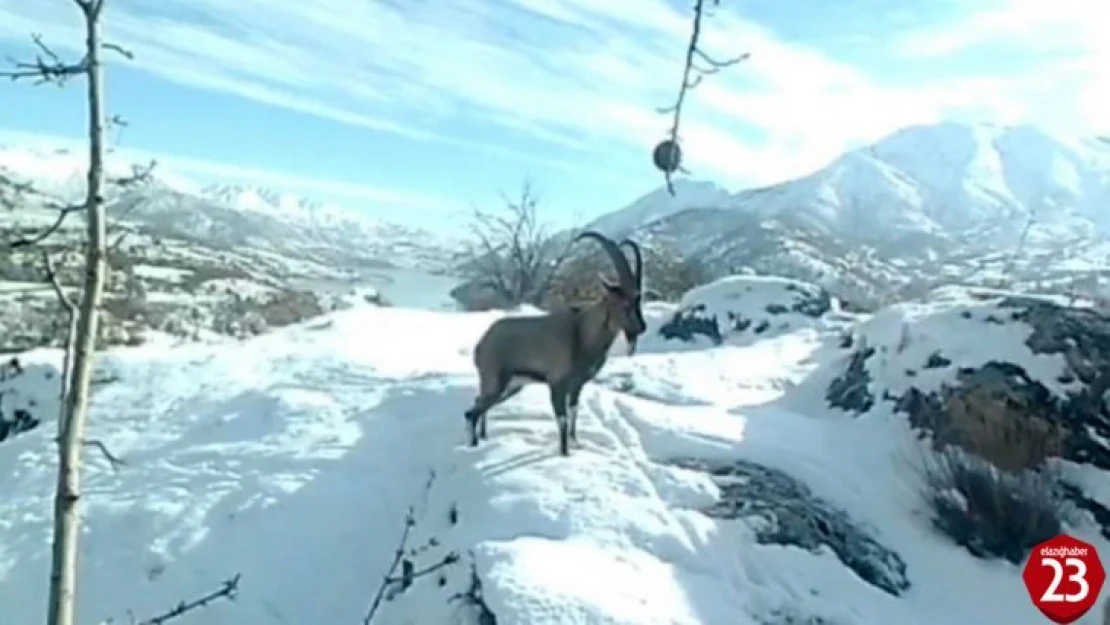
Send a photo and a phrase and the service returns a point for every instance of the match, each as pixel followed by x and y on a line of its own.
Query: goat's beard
pixel 631 340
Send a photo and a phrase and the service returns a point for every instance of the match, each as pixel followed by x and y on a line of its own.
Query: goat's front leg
pixel 559 392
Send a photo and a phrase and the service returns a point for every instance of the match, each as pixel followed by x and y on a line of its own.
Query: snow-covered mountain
pixel 946 201
pixel 231 216
pixel 659 204
pixel 193 260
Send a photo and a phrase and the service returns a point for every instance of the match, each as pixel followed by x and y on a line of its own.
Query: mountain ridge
pixel 925 204
pixel 191 261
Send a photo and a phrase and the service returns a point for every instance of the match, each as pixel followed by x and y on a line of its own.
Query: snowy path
pixel 291 459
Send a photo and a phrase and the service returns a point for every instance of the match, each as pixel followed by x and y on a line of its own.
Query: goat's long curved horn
pixel 620 261
pixel 637 262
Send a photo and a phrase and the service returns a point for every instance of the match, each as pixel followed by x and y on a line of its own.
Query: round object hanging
pixel 667 156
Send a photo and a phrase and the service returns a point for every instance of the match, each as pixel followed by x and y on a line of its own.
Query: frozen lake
pixel 405 288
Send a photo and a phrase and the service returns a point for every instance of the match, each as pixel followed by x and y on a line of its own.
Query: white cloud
pixel 1067 82
pixel 579 74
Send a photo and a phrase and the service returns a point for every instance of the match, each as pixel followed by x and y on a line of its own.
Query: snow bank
pixel 742 309
pixel 1018 380
pixel 292 457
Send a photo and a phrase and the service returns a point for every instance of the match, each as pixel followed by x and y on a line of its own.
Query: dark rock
pixel 697 319
pixel 793 515
pixel 847 340
pixel 20 422
pixel 936 361
pixel 692 322
pixel 16 419
pixel 737 322
pixel 850 390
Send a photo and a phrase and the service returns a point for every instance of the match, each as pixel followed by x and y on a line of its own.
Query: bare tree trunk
pixel 67 517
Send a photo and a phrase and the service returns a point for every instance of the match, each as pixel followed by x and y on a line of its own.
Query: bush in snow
pixel 511 258
pixel 668 275
pixel 746 306
pixel 990 512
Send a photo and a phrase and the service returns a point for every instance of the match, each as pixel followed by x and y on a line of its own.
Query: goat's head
pixel 622 298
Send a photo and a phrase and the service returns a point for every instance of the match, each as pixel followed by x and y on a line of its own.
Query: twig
pixel 407 577
pixel 52 279
pixel 228 590
pixel 49 67
pixel 63 212
pixel 410 521
pixel 668 153
pixel 113 460
pixel 139 174
pixel 390 578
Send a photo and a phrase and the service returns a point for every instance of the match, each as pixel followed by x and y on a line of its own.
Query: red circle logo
pixel 1064 577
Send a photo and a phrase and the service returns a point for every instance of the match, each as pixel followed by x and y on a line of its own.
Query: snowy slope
pixel 291 459
pixel 689 194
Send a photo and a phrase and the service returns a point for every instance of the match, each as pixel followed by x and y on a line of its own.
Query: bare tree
pixel 513 255
pixel 699 64
pixel 85 314
pixel 668 275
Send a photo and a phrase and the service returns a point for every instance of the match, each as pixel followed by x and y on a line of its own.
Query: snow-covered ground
pixel 291 459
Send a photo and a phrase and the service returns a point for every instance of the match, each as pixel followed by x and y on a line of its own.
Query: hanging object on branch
pixel 668 156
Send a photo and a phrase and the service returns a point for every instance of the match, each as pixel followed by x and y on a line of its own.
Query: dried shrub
pixel 667 275
pixel 990 512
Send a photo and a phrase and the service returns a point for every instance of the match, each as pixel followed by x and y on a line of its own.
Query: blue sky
pixel 418 110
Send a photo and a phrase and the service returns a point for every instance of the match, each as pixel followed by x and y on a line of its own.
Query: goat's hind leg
pixel 491 391
pixel 559 406
pixel 511 389
pixel 572 411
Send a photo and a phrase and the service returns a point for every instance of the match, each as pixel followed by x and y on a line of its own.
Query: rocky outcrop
pixel 791 514
pixel 739 308
pixel 1012 379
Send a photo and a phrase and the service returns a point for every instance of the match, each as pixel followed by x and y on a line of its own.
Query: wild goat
pixel 563 349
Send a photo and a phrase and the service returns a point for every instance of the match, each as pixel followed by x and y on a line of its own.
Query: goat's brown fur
pixel 564 349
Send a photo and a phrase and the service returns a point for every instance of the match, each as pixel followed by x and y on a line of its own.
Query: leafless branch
pixel 113 461
pixel 139 175
pixel 407 576
pixel 48 66
pixel 42 235
pixel 229 590
pixel 408 571
pixel 52 279
pixel 698 65
pixel 513 252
